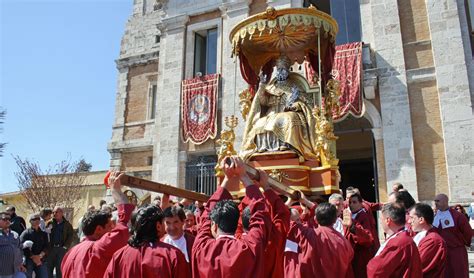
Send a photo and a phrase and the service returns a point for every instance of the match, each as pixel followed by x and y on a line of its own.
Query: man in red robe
pixel 456 231
pixel 370 208
pixel 103 237
pixel 216 251
pixel 321 250
pixel 432 248
pixel 175 234
pixel 361 241
pixel 404 199
pixel 190 223
pixel 398 256
pixel 145 255
pixel 280 215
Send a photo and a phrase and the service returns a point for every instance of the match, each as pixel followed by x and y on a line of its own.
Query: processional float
pixel 288 119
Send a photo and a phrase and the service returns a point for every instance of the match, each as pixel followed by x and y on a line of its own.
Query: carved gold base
pixel 308 177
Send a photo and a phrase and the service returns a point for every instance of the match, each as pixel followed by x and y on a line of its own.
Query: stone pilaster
pixel 381 19
pixel 232 81
pixel 454 95
pixel 119 119
pixel 168 120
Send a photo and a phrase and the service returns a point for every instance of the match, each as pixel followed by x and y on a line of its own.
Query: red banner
pixel 199 108
pixel 347 70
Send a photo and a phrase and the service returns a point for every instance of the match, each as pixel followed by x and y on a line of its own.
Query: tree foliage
pixel 83 166
pixel 58 185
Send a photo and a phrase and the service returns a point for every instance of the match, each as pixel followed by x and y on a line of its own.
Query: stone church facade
pixel 418 92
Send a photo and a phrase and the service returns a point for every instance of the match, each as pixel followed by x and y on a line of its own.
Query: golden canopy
pixel 294 32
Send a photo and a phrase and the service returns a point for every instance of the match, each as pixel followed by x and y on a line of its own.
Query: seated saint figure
pixel 279 118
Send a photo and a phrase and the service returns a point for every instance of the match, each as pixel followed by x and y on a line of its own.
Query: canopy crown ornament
pixel 294 32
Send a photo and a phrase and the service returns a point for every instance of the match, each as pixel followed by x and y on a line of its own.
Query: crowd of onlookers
pixel 39 247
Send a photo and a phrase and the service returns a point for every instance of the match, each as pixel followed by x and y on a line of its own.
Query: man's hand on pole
pixel 115 184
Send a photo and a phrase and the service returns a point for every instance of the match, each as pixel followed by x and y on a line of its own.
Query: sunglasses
pixel 34 219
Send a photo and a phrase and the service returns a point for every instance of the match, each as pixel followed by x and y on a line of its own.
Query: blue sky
pixel 58 80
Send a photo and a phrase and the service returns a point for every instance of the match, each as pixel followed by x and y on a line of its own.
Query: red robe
pixel 151 260
pixel 189 246
pixel 433 253
pixel 90 258
pixel 322 252
pixel 399 258
pixel 362 241
pixel 280 215
pixel 227 256
pixel 457 238
pixel 192 231
pixel 371 208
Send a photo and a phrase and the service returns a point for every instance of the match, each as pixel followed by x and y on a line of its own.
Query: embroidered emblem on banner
pixel 199 108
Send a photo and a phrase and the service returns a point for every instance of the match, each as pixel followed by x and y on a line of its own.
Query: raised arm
pixel 279 212
pixel 106 246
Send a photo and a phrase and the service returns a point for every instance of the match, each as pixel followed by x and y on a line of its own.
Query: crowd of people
pixel 263 235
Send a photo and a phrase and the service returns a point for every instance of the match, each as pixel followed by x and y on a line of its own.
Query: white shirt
pixel 338 226
pixel 443 218
pixel 180 243
pixel 419 236
pixel 354 215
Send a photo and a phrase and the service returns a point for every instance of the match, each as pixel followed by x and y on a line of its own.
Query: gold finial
pixel 245 101
pixel 226 142
pixel 271 12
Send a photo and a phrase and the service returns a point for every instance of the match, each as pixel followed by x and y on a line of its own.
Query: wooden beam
pixel 191 195
pixel 163 188
pixel 274 184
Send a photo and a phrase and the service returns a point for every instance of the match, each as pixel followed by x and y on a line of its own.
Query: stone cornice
pixel 137 59
pixel 228 7
pixel 173 23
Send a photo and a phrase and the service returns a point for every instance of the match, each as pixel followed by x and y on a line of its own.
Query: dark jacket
pixel 17 224
pixel 67 235
pixel 39 239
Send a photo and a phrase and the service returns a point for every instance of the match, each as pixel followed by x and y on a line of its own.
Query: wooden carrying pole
pixel 191 195
pixel 275 185
pixel 163 188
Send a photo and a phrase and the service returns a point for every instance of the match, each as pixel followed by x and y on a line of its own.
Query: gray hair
pixel 336 196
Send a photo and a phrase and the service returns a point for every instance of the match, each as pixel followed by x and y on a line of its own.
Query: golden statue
pixel 279 118
pixel 226 142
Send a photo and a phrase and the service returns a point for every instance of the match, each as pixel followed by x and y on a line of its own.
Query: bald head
pixel 441 202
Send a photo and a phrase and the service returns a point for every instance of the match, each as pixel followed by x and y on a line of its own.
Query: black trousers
pixel 55 257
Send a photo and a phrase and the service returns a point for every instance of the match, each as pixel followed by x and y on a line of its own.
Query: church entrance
pixel 356 153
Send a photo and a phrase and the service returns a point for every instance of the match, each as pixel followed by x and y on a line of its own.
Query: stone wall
pixel 453 66
pixel 422 116
pixel 381 28
pixel 140 78
pixel 136 161
pixel 424 102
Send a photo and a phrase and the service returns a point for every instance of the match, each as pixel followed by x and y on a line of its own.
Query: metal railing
pixel 200 175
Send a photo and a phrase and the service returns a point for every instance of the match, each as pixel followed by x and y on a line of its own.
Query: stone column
pixel 119 123
pixel 168 120
pixel 232 81
pixel 396 122
pixel 454 95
